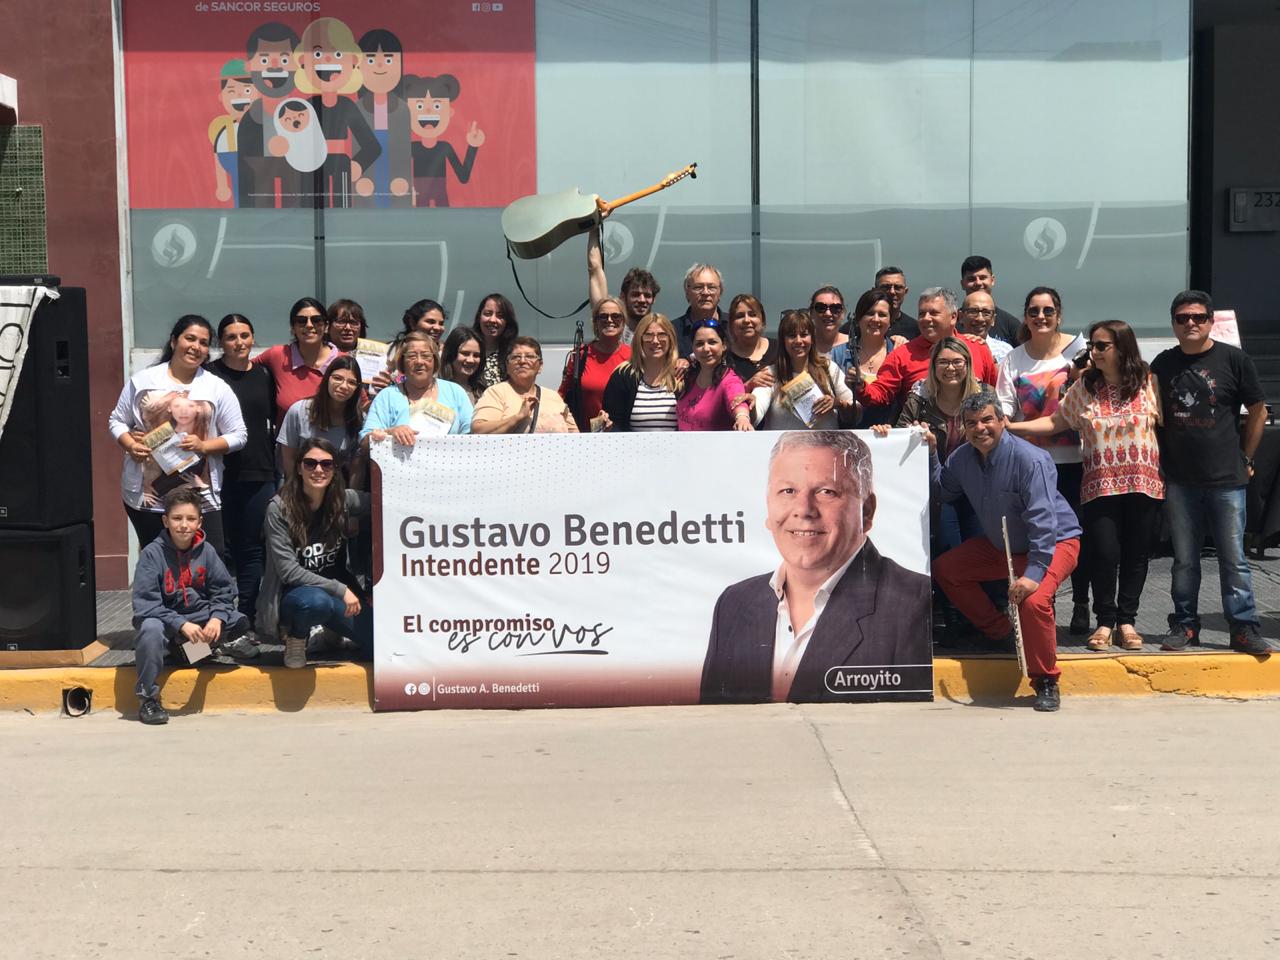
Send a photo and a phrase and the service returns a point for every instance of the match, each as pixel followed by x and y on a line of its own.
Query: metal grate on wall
pixel 24 247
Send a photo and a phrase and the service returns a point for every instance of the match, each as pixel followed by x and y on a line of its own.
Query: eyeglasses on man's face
pixel 1193 318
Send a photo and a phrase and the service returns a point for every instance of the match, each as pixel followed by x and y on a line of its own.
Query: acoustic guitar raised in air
pixel 536 225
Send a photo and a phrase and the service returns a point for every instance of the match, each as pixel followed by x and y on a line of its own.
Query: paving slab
pixel 1117 828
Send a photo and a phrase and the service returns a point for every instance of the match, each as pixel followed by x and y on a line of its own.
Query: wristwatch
pixel 1249 462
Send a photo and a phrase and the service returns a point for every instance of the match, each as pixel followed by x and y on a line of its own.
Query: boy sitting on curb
pixel 181 593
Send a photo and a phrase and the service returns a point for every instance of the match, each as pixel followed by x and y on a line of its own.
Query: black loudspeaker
pixel 45 462
pixel 46 589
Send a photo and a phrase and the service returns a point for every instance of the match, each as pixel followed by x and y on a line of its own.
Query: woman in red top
pixel 297 366
pixel 602 357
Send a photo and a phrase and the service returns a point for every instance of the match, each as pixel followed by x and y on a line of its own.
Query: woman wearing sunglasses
pixel 297 366
pixel 826 308
pixel 1115 406
pixel 307 582
pixel 713 397
pixel 583 390
pixel 1032 381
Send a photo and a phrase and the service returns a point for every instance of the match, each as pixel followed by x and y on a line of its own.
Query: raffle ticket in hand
pixel 802 393
pixel 166 449
pixel 429 418
pixel 371 355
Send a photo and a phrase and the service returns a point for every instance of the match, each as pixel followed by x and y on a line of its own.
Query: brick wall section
pixel 63 62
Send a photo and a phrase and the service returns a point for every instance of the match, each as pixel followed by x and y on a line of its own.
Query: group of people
pixel 256 462
pixel 1067 441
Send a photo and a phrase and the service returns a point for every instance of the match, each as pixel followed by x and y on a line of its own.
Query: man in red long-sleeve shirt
pixel 909 364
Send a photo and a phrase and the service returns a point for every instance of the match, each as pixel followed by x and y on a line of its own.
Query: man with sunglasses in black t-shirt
pixel 1207 459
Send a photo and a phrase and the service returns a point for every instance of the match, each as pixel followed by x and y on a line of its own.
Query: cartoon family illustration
pixel 326 120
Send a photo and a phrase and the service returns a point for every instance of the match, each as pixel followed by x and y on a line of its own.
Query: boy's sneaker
pixel 1246 638
pixel 242 648
pixel 1048 699
pixel 295 652
pixel 151 713
pixel 1180 636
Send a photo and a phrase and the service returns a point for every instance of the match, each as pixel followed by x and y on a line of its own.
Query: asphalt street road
pixel 1118 828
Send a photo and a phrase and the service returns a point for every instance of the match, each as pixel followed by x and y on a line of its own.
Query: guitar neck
pixel 675 178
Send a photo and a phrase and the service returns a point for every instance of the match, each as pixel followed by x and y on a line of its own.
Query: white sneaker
pixel 295 652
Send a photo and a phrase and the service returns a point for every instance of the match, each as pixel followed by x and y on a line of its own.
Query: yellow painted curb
pixel 350 686
pixel 208 689
pixel 1233 675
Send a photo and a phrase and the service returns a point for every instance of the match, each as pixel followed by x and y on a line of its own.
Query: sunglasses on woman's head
pixel 311 463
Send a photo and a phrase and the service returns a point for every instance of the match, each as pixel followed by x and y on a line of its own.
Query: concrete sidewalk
pixel 1117 829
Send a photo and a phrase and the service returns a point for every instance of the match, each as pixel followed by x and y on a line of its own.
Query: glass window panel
pixel 211 262
pixel 1080 155
pixel 864 122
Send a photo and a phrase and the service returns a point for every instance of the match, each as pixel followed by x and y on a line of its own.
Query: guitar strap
pixel 537 403
pixel 520 287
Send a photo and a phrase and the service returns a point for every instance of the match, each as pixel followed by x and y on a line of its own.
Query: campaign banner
pixel 333 103
pixel 663 568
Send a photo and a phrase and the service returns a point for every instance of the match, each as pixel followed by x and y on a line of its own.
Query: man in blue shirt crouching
pixel 1005 477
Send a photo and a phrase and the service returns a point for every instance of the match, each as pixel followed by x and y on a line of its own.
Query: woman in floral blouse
pixel 1115 408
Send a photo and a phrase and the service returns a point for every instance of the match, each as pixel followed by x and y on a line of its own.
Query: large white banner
pixel 17 305
pixel 622 569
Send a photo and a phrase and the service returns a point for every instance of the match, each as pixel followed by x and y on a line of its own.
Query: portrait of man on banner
pixel 833 601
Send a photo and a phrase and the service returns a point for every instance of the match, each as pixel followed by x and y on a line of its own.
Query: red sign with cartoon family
pixel 373 104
